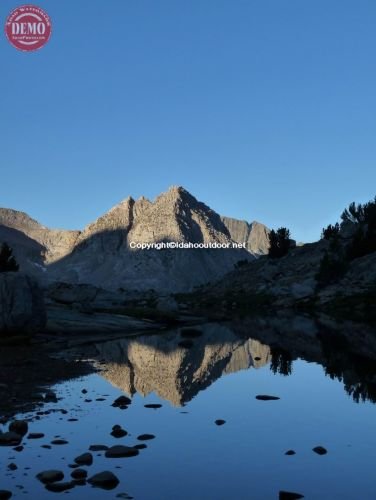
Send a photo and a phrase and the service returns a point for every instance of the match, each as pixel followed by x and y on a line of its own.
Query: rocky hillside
pixel 34 245
pixel 104 253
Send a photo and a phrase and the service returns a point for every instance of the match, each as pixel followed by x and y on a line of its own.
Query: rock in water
pixel 121 401
pixel 220 422
pixel 105 480
pixel 320 450
pixel 118 431
pixel 79 474
pixel 84 459
pixel 19 427
pixel 120 451
pixel 50 476
pixel 5 494
pixel 145 437
pixel 59 487
pixel 265 397
pixel 22 307
pixel 10 439
pixel 289 495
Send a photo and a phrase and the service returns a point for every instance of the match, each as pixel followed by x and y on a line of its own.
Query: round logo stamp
pixel 28 27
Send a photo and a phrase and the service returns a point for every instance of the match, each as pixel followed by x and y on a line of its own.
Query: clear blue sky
pixel 263 109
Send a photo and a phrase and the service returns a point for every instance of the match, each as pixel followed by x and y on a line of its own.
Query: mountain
pixel 254 234
pixel 34 245
pixel 106 252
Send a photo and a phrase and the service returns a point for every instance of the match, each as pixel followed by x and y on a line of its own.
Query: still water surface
pixel 193 458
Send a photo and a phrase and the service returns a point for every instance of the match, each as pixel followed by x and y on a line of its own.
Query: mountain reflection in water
pixel 163 364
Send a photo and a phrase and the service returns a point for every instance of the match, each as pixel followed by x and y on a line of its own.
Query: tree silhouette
pixel 7 261
pixel 279 242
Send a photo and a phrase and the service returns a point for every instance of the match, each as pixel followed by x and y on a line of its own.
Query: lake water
pixel 325 400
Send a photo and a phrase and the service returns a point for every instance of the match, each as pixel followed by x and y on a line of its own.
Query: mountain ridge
pixel 101 253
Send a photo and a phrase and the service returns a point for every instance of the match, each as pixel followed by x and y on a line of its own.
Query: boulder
pixel 22 309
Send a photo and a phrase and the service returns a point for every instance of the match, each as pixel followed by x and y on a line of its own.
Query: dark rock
pixel 98 447
pixel 12 466
pixel 59 441
pixel 18 448
pixel 84 459
pixel 79 474
pixel 105 480
pixel 84 391
pixel 59 487
pixel 125 496
pixel 9 438
pixel 290 452
pixel 120 451
pixel 5 494
pixel 265 397
pixel 72 420
pixel 220 422
pixel 320 450
pixel 35 435
pixel 289 495
pixel 22 309
pixel 50 476
pixel 121 401
pixel 19 427
pixel 118 432
pixel 145 437
pixel 46 446
pixel 153 405
pixel 140 446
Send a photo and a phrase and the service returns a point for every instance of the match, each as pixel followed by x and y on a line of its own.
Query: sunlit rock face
pixel 175 373
pixel 254 234
pixel 106 252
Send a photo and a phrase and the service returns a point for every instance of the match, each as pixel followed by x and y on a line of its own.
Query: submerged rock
pixel 290 452
pixel 106 480
pixel 153 405
pixel 220 422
